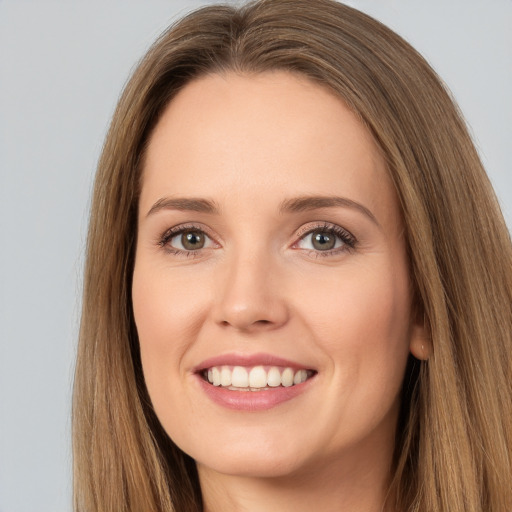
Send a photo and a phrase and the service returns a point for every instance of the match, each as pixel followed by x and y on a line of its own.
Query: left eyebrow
pixel 306 203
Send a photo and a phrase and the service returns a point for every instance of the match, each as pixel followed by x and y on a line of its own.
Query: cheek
pixel 167 315
pixel 357 302
pixel 361 321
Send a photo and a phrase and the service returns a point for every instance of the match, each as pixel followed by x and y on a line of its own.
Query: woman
pixel 298 286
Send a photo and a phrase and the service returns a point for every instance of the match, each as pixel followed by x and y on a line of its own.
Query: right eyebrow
pixel 184 204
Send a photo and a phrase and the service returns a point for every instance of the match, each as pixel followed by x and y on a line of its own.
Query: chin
pixel 258 456
pixel 253 466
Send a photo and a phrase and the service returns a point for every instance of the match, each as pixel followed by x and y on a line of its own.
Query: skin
pixel 250 143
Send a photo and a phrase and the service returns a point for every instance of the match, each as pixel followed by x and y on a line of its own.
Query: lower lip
pixel 252 400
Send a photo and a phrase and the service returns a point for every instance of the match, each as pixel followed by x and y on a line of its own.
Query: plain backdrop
pixel 62 67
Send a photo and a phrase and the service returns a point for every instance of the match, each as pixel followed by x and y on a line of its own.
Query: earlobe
pixel 420 345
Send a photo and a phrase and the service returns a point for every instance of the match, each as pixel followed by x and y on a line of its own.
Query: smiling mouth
pixel 255 378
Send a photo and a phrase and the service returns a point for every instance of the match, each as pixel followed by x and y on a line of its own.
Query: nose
pixel 251 295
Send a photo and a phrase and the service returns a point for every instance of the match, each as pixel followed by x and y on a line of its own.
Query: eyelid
pixel 174 231
pixel 348 239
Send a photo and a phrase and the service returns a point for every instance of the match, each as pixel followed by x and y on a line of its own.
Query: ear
pixel 420 344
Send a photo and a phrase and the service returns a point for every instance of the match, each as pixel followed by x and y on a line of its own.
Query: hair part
pixel 454 442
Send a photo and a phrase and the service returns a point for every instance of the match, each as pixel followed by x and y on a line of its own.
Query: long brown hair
pixel 454 441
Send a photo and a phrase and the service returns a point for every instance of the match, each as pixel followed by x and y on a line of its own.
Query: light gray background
pixel 62 66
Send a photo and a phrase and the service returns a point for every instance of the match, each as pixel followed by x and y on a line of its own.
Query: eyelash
pixel 348 240
pixel 178 230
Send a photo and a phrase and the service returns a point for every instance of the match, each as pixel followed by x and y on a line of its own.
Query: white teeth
pixel 300 376
pixel 216 377
pixel 256 378
pixel 274 377
pixel 240 377
pixel 225 377
pixel 287 377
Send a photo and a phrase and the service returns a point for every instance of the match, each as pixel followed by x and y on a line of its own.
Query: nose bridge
pixel 249 292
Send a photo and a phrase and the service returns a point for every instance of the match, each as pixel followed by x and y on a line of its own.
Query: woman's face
pixel 271 290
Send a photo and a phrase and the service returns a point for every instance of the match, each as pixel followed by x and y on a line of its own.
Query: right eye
pixel 189 240
pixel 186 240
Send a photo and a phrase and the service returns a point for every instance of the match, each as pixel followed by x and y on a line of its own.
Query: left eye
pixel 322 240
pixel 190 240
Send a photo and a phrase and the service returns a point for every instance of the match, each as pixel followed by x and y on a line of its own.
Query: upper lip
pixel 249 360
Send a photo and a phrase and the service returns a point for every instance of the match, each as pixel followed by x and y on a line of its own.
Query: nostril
pixel 256 323
pixel 246 314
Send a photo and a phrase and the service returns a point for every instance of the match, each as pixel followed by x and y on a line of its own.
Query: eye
pixel 185 240
pixel 324 241
pixel 189 240
pixel 327 239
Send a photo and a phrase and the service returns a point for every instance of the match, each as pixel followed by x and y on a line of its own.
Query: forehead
pixel 276 134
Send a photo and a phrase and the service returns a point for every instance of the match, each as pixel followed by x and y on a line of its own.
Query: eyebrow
pixel 190 204
pixel 297 204
pixel 306 203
